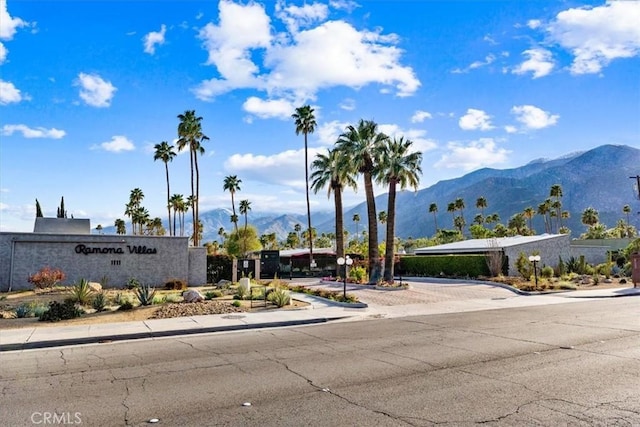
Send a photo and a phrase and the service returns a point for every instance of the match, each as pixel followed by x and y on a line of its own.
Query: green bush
pixel 524 266
pixel 241 293
pixel 546 272
pixel 280 297
pixel 81 292
pixel 212 294
pixel 133 283
pixel 358 274
pixel 126 305
pixel 57 311
pixel 236 303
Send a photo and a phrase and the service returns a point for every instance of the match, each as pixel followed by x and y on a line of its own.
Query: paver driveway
pixel 421 292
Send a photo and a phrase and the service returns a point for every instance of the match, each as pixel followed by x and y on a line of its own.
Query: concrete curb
pixel 161 334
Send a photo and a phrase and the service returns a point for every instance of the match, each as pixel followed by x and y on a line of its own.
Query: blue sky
pixel 88 87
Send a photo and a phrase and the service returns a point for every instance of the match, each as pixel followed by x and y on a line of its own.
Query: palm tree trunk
pixel 193 210
pixel 435 220
pixel 196 208
pixel 391 222
pixel 374 267
pixel 337 198
pixel 166 167
pixel 306 180
pixel 233 208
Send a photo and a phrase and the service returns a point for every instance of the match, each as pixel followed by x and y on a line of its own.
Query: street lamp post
pixel 535 259
pixel 346 262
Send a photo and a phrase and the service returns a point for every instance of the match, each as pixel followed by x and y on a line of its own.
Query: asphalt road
pixel 568 364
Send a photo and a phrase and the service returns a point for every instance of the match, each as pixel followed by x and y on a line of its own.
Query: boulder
pixel 192 295
pixel 95 286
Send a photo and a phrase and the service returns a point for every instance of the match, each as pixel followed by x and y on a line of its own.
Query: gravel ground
pixel 182 309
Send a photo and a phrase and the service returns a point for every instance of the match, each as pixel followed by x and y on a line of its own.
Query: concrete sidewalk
pixel 319 311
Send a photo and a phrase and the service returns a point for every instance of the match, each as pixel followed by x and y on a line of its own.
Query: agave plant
pixel 81 292
pixel 145 294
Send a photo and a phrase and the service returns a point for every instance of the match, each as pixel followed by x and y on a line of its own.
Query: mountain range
pixel 598 178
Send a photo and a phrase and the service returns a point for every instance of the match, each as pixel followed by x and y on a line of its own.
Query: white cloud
pixel 117 144
pixel 598 35
pixel 481 153
pixel 3 53
pixel 489 59
pixel 288 164
pixel 297 64
pixel 154 38
pixel 8 25
pixel 329 132
pixel 347 5
pixel 534 23
pixel 271 108
pixel 9 93
pixel 533 117
pixel 539 62
pixel 94 90
pixel 475 120
pixel 510 129
pixel 348 104
pixel 300 16
pixel 38 132
pixel 420 115
pixel 417 136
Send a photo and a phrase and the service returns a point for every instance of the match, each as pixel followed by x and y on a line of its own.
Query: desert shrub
pixel 358 274
pixel 567 286
pixel 126 305
pixel 524 266
pixel 133 283
pixel 572 266
pixel 61 311
pixel 448 265
pixel 280 297
pixel 595 278
pixel 212 294
pixel 47 277
pixel 145 294
pixel 175 285
pixel 560 269
pixel 620 261
pixel 23 310
pixel 100 301
pixel 236 303
pixel 546 272
pixel 241 293
pixel 589 270
pixel 604 269
pixel 623 281
pixel 81 292
pixel 172 298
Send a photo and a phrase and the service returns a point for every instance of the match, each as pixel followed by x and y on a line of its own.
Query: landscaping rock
pixel 196 309
pixel 95 286
pixel 192 295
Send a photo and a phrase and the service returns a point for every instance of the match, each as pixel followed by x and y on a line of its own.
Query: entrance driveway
pixel 421 291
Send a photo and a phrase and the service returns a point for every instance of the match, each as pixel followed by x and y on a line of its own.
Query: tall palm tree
pixel 297 229
pixel 556 192
pixel 433 208
pixel 356 219
pixel 190 136
pixel 305 123
pixel 544 209
pixel 529 213
pixel 481 203
pixel 165 152
pixel 451 208
pixel 232 184
pixel 330 171
pixel 221 234
pixel 245 207
pixel 361 144
pixel 517 222
pixel 120 226
pixel 459 203
pixel 398 166
pixel 626 209
pixel 135 199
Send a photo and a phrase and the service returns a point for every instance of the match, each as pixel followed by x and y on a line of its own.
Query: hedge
pixel 447 265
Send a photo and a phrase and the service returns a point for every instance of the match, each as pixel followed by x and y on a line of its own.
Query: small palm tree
pixel 590 217
pixel 232 185
pixel 305 122
pixel 245 207
pixel 626 209
pixel 356 219
pixel 481 203
pixel 120 226
pixel 176 201
pixel 529 213
pixel 433 209
pixel 451 208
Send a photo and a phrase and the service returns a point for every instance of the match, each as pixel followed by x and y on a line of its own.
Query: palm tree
pixel 330 171
pixel 451 208
pixel 245 207
pixel 305 123
pixel 135 198
pixel 232 184
pixel 626 209
pixel 518 223
pixel 590 217
pixel 190 135
pixel 481 203
pixel 356 219
pixel 165 152
pixel 382 217
pixel 297 229
pixel 398 166
pixel 529 213
pixel 556 192
pixel 221 234
pixel 459 223
pixel 459 203
pixel 433 208
pixel 176 201
pixel 121 228
pixel 543 209
pixel 361 144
